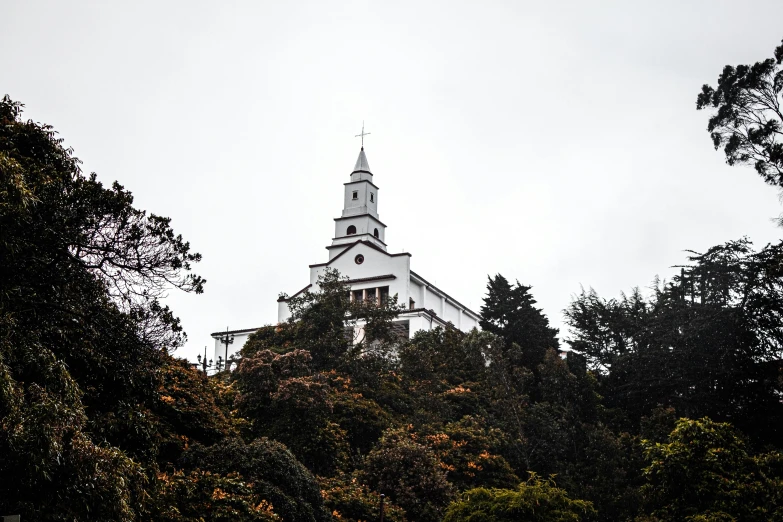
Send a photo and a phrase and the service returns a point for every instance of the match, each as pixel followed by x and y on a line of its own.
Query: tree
pixel 748 120
pixel 536 500
pixel 187 411
pixel 269 470
pixel 83 333
pixel 324 323
pixel 509 312
pixel 409 473
pixel 469 452
pixel 351 501
pixel 445 354
pixel 283 399
pixel 443 370
pixel 709 343
pixel 201 495
pixel 51 469
pixel 362 419
pixel 704 472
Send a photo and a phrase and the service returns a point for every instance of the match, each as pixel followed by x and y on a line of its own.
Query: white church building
pixel 358 251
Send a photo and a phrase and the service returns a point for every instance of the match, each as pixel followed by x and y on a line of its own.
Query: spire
pixel 361 163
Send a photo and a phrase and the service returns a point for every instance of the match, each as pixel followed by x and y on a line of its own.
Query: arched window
pixel 351 230
pixel 375 233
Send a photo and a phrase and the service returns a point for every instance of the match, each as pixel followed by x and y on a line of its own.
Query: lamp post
pixel 382 499
pixel 207 365
pixel 227 339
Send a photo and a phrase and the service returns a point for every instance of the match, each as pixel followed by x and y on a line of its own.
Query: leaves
pixel 82 335
pixel 536 500
pixel 748 120
pixel 704 470
pixel 509 312
pixel 705 343
pixel 409 473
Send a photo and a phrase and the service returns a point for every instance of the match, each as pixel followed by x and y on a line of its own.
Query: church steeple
pixel 359 219
pixel 361 163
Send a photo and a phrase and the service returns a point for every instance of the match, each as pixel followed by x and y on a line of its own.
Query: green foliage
pixel 704 472
pixel 409 473
pixel 324 322
pixel 82 333
pixel 187 410
pixel 50 469
pixel 468 450
pixel 362 419
pixel 201 495
pixel 99 422
pixel 509 312
pixel 748 121
pixel 278 338
pixel 351 501
pixel 536 500
pixel 269 470
pixel 658 425
pixel 705 344
pixel 445 355
pixel 284 400
pixel 443 372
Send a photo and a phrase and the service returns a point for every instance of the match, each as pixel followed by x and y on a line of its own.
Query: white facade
pixel 358 251
pixel 237 339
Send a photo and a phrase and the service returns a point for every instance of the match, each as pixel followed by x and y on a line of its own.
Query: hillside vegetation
pixel 662 407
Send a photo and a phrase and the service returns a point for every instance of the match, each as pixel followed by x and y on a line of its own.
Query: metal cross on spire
pixel 363 134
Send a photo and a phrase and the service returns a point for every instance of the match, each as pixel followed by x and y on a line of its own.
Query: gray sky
pixel 556 143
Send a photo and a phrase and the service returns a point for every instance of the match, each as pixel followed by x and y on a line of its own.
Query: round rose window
pixel 359 259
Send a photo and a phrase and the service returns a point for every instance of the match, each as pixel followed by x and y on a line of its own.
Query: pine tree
pixel 510 312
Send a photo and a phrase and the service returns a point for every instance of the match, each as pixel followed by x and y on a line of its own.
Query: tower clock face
pixel 359 259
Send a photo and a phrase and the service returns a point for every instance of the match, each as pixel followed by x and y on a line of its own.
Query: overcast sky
pixel 556 143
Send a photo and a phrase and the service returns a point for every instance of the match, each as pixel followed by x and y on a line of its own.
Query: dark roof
pixel 381 250
pixel 361 215
pixel 351 245
pixel 349 281
pixel 281 299
pixel 363 181
pixel 430 311
pixel 432 314
pixel 357 235
pixel 374 278
pixel 444 293
pixel 231 332
pixel 427 311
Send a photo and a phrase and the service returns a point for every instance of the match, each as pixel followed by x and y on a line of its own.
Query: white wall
pixel 362 204
pixel 403 285
pixel 446 308
pixel 421 322
pixel 364 223
pixel 283 312
pixel 375 264
pixel 432 301
pixel 220 349
pixel 468 323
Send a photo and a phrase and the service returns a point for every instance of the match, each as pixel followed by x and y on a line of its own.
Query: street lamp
pixel 207 365
pixel 227 339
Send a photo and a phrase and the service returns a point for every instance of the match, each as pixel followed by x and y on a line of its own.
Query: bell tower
pixel 359 219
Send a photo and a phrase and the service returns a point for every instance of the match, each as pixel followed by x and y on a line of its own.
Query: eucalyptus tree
pixel 747 118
